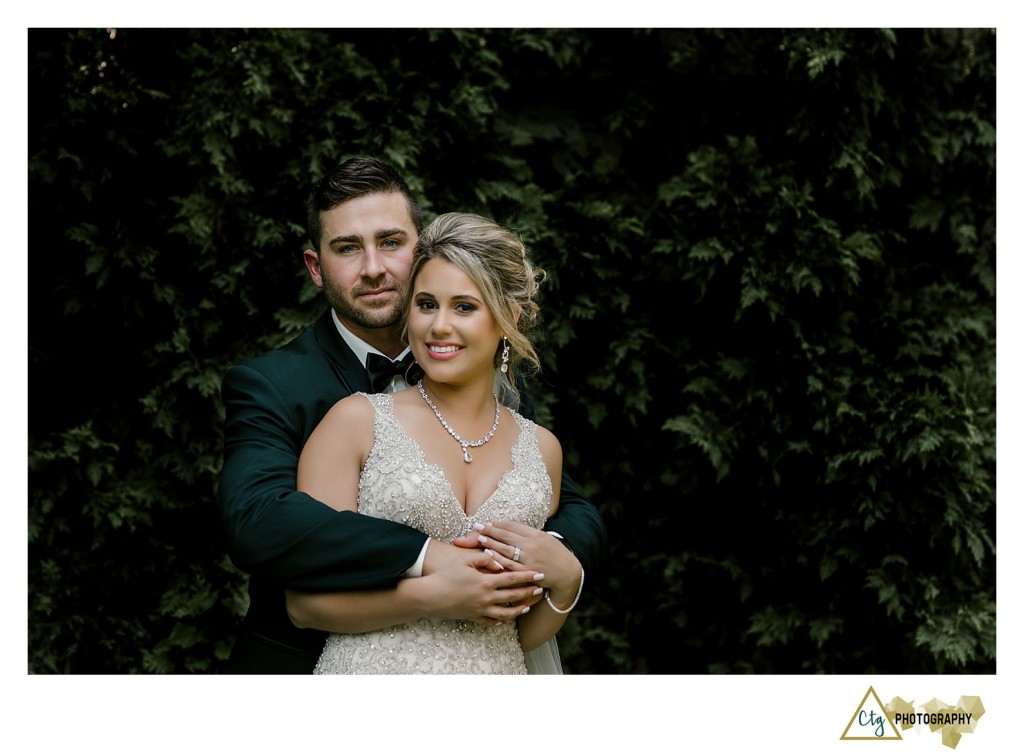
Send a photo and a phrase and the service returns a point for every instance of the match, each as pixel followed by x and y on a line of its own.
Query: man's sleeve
pixel 577 520
pixel 285 536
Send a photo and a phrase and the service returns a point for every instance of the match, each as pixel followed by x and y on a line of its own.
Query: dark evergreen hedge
pixel 768 335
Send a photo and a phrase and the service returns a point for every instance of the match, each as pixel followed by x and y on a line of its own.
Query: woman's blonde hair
pixel 495 259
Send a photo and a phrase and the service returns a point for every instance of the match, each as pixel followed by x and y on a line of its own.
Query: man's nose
pixel 373 264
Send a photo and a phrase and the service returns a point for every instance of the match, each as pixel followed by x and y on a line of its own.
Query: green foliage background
pixel 768 336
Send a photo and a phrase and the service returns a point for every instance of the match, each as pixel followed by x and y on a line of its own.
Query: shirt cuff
pixel 416 569
pixel 562 539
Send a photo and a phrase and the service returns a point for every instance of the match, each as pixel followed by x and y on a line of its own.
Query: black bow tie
pixel 381 369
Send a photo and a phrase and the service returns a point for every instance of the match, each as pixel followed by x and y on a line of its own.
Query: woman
pixel 446 456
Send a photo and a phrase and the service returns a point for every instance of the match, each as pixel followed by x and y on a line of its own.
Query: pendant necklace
pixel 466 444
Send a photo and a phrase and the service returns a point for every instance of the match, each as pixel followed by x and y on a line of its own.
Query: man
pixel 364 224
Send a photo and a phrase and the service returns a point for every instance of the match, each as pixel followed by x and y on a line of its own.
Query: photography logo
pixel 873 721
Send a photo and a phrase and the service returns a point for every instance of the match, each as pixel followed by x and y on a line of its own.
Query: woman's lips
pixel 443 351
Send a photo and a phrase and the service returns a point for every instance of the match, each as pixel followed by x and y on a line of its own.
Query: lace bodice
pixel 397 483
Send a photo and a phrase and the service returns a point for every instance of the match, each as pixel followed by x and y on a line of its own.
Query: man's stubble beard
pixel 369 318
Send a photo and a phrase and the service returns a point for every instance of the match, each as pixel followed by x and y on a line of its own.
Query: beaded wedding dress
pixel 398 484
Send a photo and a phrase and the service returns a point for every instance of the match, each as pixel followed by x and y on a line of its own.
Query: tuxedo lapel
pixel 346 366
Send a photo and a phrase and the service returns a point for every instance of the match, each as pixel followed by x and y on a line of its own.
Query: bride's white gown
pixel 398 484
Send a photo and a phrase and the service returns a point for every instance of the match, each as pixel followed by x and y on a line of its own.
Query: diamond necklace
pixel 466 444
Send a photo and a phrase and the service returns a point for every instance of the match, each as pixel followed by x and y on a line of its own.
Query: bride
pixel 448 456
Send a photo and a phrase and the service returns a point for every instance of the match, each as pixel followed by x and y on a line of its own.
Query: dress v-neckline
pixel 451 490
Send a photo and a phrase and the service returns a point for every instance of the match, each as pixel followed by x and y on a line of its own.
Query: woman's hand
pixel 539 552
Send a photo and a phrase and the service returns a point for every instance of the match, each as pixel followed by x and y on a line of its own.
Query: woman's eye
pixel 426 304
pixel 465 308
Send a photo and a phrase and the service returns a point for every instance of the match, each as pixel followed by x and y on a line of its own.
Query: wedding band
pixel 515 555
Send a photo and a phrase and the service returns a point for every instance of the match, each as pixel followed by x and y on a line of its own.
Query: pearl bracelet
pixel 547 597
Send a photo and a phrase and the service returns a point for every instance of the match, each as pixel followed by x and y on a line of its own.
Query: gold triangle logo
pixel 871 721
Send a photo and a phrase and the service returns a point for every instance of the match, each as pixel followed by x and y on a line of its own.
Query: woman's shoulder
pixel 549 444
pixel 358 407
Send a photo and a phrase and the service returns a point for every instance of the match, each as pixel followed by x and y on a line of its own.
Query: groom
pixel 364 223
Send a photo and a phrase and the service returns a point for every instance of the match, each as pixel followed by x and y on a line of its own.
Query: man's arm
pixel 579 524
pixel 462 591
pixel 576 520
pixel 283 535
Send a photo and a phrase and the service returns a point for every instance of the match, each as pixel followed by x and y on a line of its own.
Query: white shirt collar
pixel 362 349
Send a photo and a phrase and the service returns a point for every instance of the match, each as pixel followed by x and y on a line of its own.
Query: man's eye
pixel 390 243
pixel 349 249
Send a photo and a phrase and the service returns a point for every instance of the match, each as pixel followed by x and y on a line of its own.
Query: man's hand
pixel 472 541
pixel 462 587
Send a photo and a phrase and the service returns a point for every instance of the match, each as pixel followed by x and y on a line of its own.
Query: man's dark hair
pixel 355 177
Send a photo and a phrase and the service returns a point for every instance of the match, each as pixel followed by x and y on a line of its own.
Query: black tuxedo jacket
pixel 287 540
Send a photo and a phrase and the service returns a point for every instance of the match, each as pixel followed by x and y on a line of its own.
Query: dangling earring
pixel 504 355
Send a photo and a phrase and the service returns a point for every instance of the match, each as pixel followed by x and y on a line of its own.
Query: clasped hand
pixel 478 579
pixel 538 552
